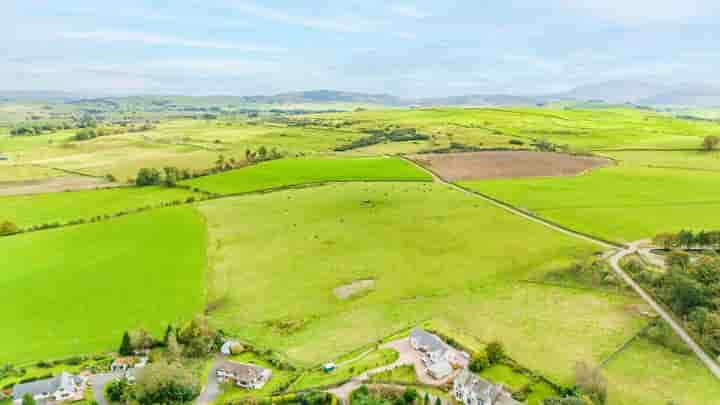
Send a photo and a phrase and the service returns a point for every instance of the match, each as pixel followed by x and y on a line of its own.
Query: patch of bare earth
pixel 492 165
pixel 53 184
pixel 356 287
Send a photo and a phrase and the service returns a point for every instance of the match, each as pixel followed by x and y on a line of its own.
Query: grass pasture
pixel 618 203
pixel 433 253
pixel 492 127
pixel 646 373
pixel 75 290
pixel 290 172
pixel 28 210
pixel 697 160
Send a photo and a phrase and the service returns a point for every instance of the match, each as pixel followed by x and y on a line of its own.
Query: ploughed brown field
pixel 53 184
pixel 490 165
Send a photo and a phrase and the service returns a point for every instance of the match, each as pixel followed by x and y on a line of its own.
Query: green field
pixel 14 173
pixel 75 290
pixel 699 160
pixel 267 265
pixel 289 172
pixel 494 127
pixel 646 373
pixel 433 253
pixel 28 210
pixel 619 203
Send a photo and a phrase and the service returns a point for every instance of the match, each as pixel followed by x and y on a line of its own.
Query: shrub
pixel 516 142
pixel 495 352
pixel 117 390
pixel 8 227
pixel 479 363
pixel 163 383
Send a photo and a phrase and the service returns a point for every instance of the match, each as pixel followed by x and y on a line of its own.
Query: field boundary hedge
pixel 624 346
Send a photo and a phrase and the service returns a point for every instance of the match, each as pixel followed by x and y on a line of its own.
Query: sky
pixel 405 48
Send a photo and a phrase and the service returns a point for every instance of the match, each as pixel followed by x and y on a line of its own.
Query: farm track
pixel 711 365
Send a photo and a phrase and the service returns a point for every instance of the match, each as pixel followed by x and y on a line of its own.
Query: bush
pixel 479 363
pixel 163 383
pixel 117 390
pixel 516 142
pixel 148 177
pixel 495 352
pixel 8 228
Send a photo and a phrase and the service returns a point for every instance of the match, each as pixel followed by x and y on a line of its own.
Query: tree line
pixel 690 286
pixel 687 239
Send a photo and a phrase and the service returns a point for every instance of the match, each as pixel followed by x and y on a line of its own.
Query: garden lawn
pixel 75 290
pixel 646 373
pixel 619 203
pixel 289 172
pixel 346 371
pixel 433 252
pixel 28 210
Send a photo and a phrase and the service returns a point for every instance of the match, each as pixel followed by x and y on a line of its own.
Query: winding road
pixel 708 361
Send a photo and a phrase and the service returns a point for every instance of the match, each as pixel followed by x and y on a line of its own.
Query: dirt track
pixel 489 165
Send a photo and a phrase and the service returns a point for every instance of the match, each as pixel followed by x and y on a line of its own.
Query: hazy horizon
pixel 407 49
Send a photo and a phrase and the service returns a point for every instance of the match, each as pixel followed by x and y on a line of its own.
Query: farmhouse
pixel 243 375
pixel 64 387
pixel 126 363
pixel 437 355
pixel 470 389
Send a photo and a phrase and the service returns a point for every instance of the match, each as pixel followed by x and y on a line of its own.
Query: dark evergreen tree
pixel 125 347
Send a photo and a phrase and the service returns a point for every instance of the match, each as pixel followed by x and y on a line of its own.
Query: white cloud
pixel 644 11
pixel 159 39
pixel 335 23
pixel 408 10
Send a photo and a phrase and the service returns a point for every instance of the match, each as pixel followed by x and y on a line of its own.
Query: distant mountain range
pixel 611 92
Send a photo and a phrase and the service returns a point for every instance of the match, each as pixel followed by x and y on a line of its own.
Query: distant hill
pixel 616 92
pixel 598 95
pixel 38 96
pixel 648 93
pixel 486 99
pixel 324 96
pixel 699 96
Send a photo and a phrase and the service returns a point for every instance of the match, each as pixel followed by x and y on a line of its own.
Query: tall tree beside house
pixel 168 332
pixel 142 340
pixel 28 399
pixel 173 347
pixel 125 347
pixel 495 352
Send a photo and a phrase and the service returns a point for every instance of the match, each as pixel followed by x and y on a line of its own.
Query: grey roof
pixel 428 340
pixel 242 371
pixel 65 381
pixel 441 369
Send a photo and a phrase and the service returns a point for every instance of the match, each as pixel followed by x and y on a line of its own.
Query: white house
pixel 243 375
pixel 437 355
pixel 64 387
pixel 470 389
pixel 127 363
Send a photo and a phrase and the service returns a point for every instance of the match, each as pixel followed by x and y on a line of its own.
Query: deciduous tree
pixel 710 143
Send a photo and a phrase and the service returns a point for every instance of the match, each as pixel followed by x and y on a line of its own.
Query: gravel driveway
pixel 99 381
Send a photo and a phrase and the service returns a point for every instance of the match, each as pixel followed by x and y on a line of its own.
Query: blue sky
pixel 413 49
